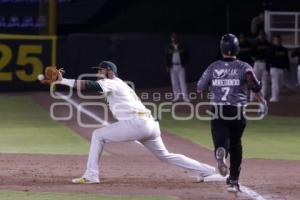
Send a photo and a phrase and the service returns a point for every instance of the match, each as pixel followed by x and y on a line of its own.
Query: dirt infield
pixel 130 169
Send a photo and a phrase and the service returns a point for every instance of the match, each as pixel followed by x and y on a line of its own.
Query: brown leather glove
pixel 51 75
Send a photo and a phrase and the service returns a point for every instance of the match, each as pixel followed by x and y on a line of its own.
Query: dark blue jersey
pixel 229 81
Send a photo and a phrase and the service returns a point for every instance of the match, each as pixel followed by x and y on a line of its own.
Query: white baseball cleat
pixel 214 178
pixel 211 178
pixel 220 156
pixel 83 180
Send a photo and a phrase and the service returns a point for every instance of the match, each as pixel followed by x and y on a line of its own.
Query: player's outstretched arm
pixel 87 85
pixel 54 75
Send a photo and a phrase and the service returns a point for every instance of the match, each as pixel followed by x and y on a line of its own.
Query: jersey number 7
pixel 225 91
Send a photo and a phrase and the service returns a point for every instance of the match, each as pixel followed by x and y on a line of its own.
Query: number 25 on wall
pixel 26 57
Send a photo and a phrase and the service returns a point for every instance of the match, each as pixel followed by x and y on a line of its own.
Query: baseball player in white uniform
pixel 260 53
pixel 135 122
pixel 176 64
pixel 279 61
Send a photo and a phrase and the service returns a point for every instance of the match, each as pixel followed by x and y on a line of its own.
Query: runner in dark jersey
pixel 229 80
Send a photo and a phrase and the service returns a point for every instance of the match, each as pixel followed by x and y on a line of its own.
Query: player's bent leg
pixel 220 135
pixel 220 155
pixel 96 148
pixel 157 148
pixel 121 131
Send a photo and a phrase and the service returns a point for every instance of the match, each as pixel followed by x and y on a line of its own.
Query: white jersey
pixel 122 100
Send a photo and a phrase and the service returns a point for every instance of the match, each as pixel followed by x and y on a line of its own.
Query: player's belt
pixel 144 114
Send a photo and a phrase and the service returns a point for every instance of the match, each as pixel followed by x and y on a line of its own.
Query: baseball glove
pixel 51 75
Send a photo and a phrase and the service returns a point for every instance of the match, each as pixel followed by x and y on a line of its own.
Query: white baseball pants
pixel 147 132
pixel 277 82
pixel 178 81
pixel 260 71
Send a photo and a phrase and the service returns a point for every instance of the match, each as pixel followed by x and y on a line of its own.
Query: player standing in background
pixel 296 53
pixel 279 61
pixel 260 53
pixel 258 23
pixel 176 60
pixel 246 50
pixel 229 81
pixel 135 122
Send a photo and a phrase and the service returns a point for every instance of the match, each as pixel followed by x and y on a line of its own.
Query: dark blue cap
pixel 107 65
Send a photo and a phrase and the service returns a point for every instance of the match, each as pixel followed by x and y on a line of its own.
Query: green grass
pixel 272 138
pixel 25 127
pixel 10 195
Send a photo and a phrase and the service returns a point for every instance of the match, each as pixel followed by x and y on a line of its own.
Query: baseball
pixel 40 77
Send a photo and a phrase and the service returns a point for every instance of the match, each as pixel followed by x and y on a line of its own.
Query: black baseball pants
pixel 227 133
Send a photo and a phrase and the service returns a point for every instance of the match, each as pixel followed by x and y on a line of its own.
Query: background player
pixel 279 61
pixel 260 54
pixel 229 80
pixel 246 50
pixel 296 53
pixel 135 122
pixel 176 61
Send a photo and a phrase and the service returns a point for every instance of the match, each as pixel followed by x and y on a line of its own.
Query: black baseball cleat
pixel 228 181
pixel 220 156
pixel 234 186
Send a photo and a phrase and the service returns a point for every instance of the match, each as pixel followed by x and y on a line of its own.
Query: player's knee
pixel 96 135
